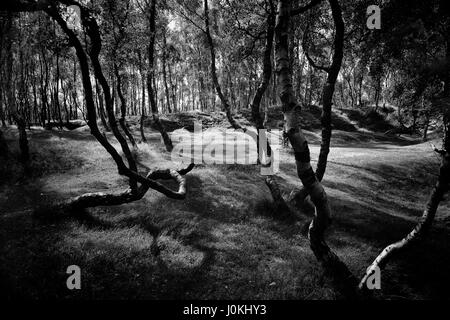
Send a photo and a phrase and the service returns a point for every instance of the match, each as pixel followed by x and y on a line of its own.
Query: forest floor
pixel 223 241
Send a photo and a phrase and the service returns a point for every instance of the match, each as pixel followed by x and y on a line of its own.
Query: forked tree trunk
pixel 149 181
pixel 291 108
pixel 94 52
pixel 300 196
pixel 329 86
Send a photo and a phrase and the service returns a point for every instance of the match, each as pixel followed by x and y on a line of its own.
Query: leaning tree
pixel 88 58
pixel 344 279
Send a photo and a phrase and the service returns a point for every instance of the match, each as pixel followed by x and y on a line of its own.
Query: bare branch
pixel 308 57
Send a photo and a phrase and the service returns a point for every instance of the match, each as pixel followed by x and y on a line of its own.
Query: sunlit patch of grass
pixel 117 242
pixel 178 256
pixel 223 240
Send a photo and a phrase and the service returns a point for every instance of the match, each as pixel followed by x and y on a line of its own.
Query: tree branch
pixel 308 57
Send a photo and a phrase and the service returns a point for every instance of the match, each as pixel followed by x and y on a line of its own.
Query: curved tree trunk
pixel 95 199
pixel 94 52
pixel 441 187
pixel 225 103
pixel 299 196
pixel 329 86
pixel 291 108
pixel 422 227
pixel 151 78
pixel 133 175
pixel 267 73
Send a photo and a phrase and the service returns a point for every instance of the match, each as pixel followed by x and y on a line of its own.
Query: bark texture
pixel 328 88
pixel 146 182
pixel 291 109
pixel 300 196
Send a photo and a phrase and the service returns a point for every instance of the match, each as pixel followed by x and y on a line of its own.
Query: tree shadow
pixel 364 222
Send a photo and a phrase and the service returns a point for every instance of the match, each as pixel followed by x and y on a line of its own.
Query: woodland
pixel 95 95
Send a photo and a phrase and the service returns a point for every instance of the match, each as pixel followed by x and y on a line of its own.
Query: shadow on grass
pixel 222 241
pixel 373 211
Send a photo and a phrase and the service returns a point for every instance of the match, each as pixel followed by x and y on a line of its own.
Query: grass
pixel 222 241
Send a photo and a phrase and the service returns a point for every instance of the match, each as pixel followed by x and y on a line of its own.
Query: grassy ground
pixel 222 241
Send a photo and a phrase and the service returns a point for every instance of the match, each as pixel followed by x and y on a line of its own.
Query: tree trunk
pixel 2 112
pixel 441 187
pixel 328 89
pixel 141 122
pixel 424 224
pixel 123 107
pixel 291 108
pixel 23 142
pixel 56 94
pixel 151 78
pixel 146 182
pixel 94 52
pixel 427 123
pixel 361 79
pixel 4 150
pixel 166 86
pixel 327 98
pixel 12 103
pixel 225 104
pixel 101 106
pixel 172 90
pixel 258 120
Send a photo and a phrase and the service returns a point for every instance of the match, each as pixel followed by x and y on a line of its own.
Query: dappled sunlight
pixel 179 256
pixel 117 244
pixel 224 240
